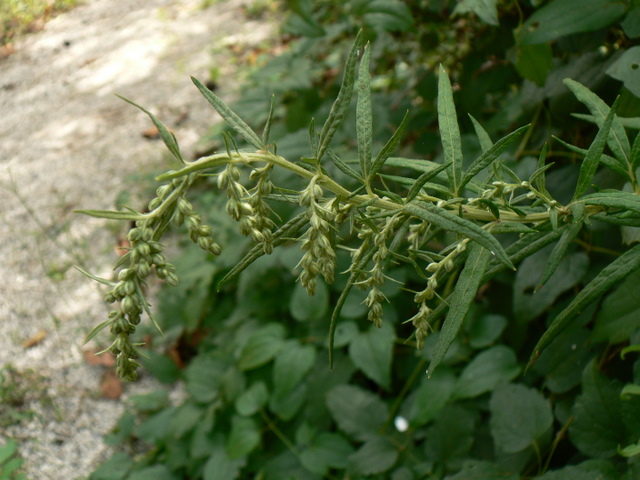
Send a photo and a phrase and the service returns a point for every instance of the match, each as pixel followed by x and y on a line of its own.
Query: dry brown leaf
pixel 106 359
pixel 110 386
pixel 35 339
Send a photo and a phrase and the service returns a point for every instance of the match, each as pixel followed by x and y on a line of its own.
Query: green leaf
pixel 357 412
pixel 519 417
pixel 485 330
pixel 489 368
pixel 267 126
pixel 618 141
pixel 203 378
pixel 620 268
pixel 485 9
pixel 619 315
pixel 592 159
pixel 116 468
pixel 579 472
pixel 186 417
pixel 244 437
pixel 287 404
pixel 372 352
pixel 620 200
pixel 598 428
pixel 155 472
pixel 306 308
pixel 341 104
pixel 483 137
pixel 252 399
pixel 450 222
pixel 342 166
pixel 449 130
pixel 627 70
pixel 614 164
pixel 389 147
pixel 490 155
pixel 634 157
pixel 262 346
pixel 219 466
pixel 481 470
pixel 229 116
pixel 452 434
pixel 429 398
pixel 364 114
pixel 460 301
pixel 534 62
pixel 377 455
pixel 565 17
pixel 387 15
pixel 557 254
pixel 631 23
pixel 422 180
pixel 291 366
pixel 113 214
pixel 167 136
pixel 327 450
pixel 7 451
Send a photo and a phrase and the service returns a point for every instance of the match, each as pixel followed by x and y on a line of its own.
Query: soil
pixel 66 143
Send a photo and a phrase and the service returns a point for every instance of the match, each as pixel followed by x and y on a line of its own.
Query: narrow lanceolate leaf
pixel 230 116
pixel 364 114
pixel 592 159
pixel 483 137
pixel 460 301
pixel 422 180
pixel 614 164
pixel 620 200
pixel 101 280
pixel 613 273
pixel 267 126
pixel 634 158
pixel 489 156
pixel 449 130
pixel 558 252
pixel 389 147
pixel 450 222
pixel 617 140
pixel 112 214
pixel 538 177
pixel 341 104
pixel 167 135
pixel 342 166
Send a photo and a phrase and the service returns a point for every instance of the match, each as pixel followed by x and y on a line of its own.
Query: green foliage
pixel 510 264
pixel 10 462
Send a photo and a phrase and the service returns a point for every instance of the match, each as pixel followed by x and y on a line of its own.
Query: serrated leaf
pixel 287 404
pixel 262 346
pixel 341 104
pixel 557 254
pixel 167 136
pixel 229 116
pixel 485 9
pixel 460 300
pixel 251 400
pixel 243 438
pixel 422 180
pixel 372 352
pixel 489 156
pixel 613 273
pixel 357 412
pixel 489 368
pixel 534 62
pixel 449 130
pixel 617 139
pixel 619 315
pixel 291 366
pixel 450 222
pixel 327 450
pixel 219 466
pixel 429 398
pixel 377 455
pixel 364 114
pixel 519 417
pixel 389 147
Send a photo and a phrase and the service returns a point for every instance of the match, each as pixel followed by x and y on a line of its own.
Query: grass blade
pixel 460 300
pixel 364 114
pixel 448 221
pixel 449 130
pixel 592 159
pixel 613 273
pixel 558 252
pixel 389 147
pixel 230 116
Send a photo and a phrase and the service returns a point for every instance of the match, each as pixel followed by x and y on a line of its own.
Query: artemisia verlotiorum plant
pixel 470 209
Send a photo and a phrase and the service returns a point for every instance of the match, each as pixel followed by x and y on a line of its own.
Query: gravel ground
pixel 66 142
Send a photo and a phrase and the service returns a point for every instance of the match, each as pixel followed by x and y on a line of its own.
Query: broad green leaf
pixel 8 450
pixel 389 147
pixel 387 15
pixel 372 351
pixel 291 365
pixel 376 455
pixel 252 399
pixel 618 141
pixel 450 222
pixel 519 416
pixel 229 116
pixel 620 268
pixel 574 473
pixel 357 412
pixel 489 368
pixel 619 315
pixel 327 450
pixel 364 114
pixel 534 62
pixel 485 330
pixel 565 17
pixel 219 466
pixel 167 135
pixel 341 104
pixel 155 472
pixel 429 398
pixel 626 69
pixel 490 155
pixel 116 468
pixel 485 9
pixel 306 308
pixel 557 254
pixel 186 417
pixel 449 130
pixel 460 300
pixel 482 470
pixel 243 438
pixel 451 435
pixel 483 137
pixel 262 346
pixel 631 23
pixel 287 404
pixel 155 427
pixel 592 159
pixel 598 428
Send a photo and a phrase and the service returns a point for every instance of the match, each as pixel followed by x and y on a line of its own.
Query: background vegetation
pixel 261 400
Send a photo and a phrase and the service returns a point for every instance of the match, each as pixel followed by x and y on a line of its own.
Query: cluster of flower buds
pixel 262 211
pixel 319 256
pixel 200 234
